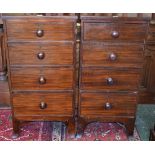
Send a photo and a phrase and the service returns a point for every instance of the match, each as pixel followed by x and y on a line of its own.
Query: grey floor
pixel 145 120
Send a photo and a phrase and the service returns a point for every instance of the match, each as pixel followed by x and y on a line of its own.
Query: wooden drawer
pixel 107 104
pixel 121 31
pixel 47 104
pixel 41 79
pixel 41 53
pixel 110 55
pixel 40 28
pixel 104 79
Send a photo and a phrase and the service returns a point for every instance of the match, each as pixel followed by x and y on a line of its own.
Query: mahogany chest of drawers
pixel 52 78
pixel 41 60
pixel 111 63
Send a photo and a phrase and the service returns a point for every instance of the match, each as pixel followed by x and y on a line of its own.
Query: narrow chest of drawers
pixel 41 61
pixel 111 63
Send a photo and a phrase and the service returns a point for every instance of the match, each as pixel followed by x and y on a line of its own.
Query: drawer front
pixel 107 104
pixel 47 104
pixel 114 31
pixel 41 53
pixel 112 55
pixel 102 79
pixel 41 79
pixel 40 28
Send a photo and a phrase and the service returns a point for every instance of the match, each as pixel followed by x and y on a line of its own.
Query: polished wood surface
pixel 53 53
pixel 97 104
pixel 56 104
pixel 41 64
pixel 125 55
pixel 30 78
pixel 104 31
pixel 97 79
pixel 79 80
pixel 54 29
pixel 111 65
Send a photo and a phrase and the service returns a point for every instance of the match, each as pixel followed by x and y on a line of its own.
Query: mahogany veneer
pixel 41 64
pixel 54 53
pixel 123 55
pixel 62 68
pixel 102 30
pixel 51 104
pixel 109 79
pixel 111 62
pixel 41 78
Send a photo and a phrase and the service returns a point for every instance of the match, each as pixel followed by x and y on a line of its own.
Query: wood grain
pixel 116 57
pixel 97 54
pixel 28 78
pixel 58 104
pixel 56 29
pixel 102 31
pixel 94 104
pixel 76 81
pixel 54 53
pixel 96 79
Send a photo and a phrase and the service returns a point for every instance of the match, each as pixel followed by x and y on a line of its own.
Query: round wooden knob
pixel 115 34
pixel 112 56
pixel 40 33
pixel 42 80
pixel 41 55
pixel 108 106
pixel 110 81
pixel 43 105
